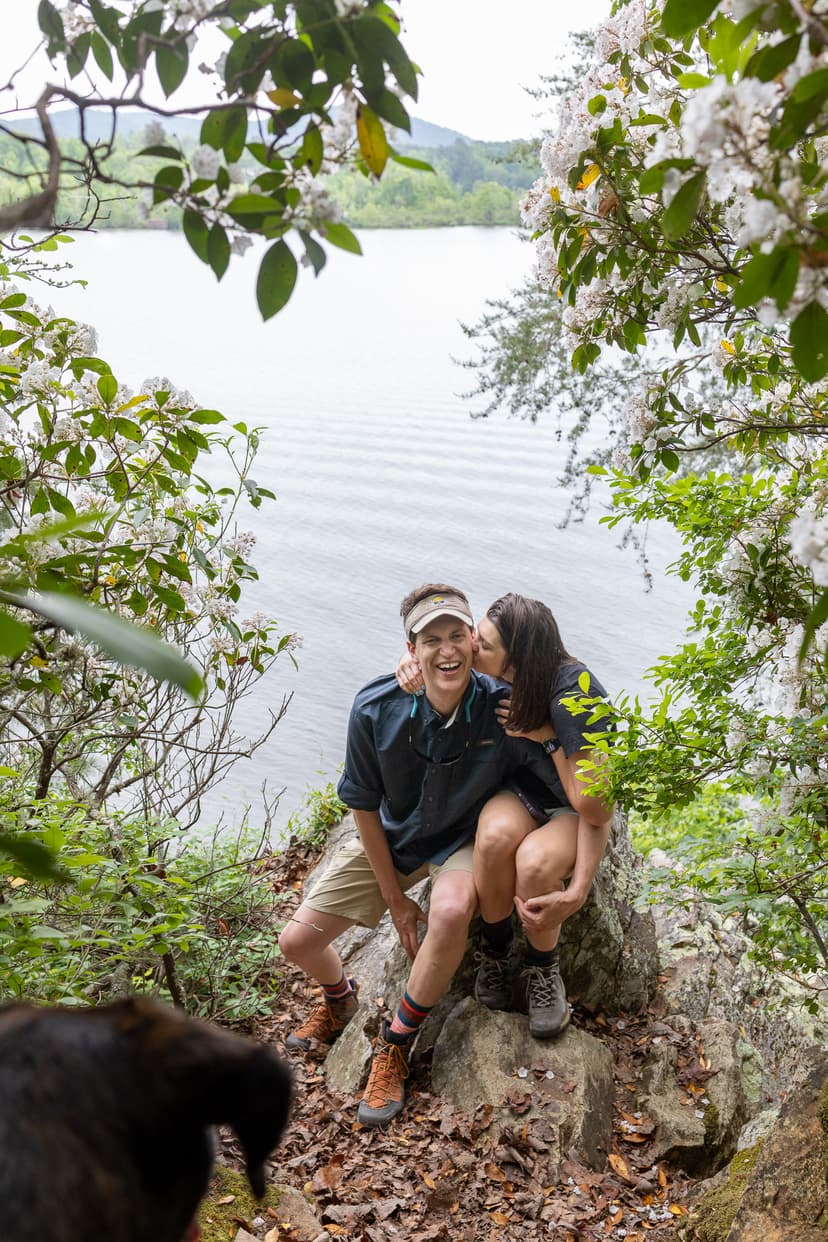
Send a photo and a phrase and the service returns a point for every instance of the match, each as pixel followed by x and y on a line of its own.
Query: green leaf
pixel 809 338
pixel 60 503
pixel 171 64
pixel 680 17
pixel 197 233
pixel 108 388
pixel 684 207
pixel 314 251
pixel 253 205
pixel 218 250
pixel 102 54
pixel 312 149
pixel 170 598
pixel 812 84
pixel 51 23
pixel 31 856
pixel 768 275
pixel 341 236
pixel 77 54
pixel 293 65
pixel 769 61
pixel 14 636
pixel 127 644
pixel 277 277
pixel 164 153
pixel 816 617
pixel 408 161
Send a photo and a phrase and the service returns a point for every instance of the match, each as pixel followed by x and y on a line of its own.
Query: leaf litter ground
pixel 427 1177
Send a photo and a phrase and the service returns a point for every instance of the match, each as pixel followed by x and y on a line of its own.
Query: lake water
pixel 383 479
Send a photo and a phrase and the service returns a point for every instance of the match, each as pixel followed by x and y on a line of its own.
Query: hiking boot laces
pixel 542 984
pixel 493 971
pixel 389 1069
pixel 326 1020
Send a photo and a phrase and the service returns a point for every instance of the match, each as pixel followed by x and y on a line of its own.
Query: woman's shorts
pixel 541 814
pixel 350 889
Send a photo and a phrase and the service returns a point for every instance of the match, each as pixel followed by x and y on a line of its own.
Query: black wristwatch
pixel 551 745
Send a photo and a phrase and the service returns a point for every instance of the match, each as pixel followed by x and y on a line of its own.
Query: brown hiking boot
pixel 384 1093
pixel 326 1022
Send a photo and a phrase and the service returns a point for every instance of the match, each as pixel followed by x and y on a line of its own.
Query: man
pixel 417 773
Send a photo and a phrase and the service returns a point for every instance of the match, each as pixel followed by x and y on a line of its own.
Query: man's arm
pixel 405 913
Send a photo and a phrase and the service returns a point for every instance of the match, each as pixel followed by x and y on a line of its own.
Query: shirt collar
pixel 430 717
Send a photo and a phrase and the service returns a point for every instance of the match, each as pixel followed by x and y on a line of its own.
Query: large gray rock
pixel 608 949
pixel 707 971
pixel 698 1128
pixel 562 1089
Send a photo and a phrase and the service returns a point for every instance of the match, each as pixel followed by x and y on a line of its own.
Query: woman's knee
pixel 542 862
pixel 499 833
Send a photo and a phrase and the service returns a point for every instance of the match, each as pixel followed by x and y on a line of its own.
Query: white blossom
pixel 205 162
pixel 808 535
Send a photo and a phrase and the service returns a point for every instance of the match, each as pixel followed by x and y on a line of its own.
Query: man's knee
pixel 300 936
pixel 452 907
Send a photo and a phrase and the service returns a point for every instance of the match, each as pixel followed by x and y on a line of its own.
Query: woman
pixel 531 837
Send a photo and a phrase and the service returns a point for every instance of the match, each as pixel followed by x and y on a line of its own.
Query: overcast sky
pixel 476 57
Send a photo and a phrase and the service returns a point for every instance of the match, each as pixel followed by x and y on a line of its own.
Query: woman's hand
pixel 549 910
pixel 409 675
pixel 541 734
pixel 405 915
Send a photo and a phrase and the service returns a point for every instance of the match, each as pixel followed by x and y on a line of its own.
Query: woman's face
pixel 490 654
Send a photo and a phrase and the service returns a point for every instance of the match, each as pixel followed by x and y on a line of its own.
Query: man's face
pixel 445 650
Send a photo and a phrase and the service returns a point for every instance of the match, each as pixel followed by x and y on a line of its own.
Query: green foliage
pixel 475 183
pixel 714 810
pixel 751 860
pixel 322 810
pixel 299 85
pixel 681 225
pixel 137 910
pixel 107 518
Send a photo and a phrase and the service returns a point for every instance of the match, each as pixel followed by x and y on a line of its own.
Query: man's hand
pixel 405 915
pixel 541 914
pixel 409 675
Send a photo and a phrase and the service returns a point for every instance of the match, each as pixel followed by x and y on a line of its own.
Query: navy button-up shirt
pixel 398 762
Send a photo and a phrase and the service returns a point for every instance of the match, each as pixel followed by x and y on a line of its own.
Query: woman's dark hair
pixel 534 648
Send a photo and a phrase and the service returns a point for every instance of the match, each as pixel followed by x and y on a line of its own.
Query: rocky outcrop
pixel 698 1126
pixel 776 1191
pixel 731 1040
pixel 707 971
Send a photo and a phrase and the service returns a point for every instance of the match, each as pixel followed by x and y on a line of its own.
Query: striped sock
pixel 409 1017
pixel 337 991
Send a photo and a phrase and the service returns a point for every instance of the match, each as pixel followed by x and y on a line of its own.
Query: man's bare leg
pixel 306 942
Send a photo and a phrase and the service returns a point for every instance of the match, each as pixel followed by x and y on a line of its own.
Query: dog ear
pixel 255 1102
pixel 219 1078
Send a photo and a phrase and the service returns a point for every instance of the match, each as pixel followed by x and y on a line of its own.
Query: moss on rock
pixel 220 1221
pixel 715 1211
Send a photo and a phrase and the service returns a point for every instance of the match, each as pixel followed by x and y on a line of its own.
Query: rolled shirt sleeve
pixel 360 786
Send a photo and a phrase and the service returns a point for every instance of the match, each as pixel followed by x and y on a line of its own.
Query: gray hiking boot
pixel 543 997
pixel 494 981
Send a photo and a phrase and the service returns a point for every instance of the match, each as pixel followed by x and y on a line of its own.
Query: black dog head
pixel 105 1119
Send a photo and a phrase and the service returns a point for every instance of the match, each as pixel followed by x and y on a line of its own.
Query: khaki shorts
pixel 350 889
